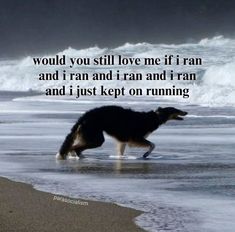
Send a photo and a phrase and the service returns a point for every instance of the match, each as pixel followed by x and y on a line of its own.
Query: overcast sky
pixel 44 26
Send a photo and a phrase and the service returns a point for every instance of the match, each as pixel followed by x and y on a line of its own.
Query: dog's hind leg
pixel 66 146
pixel 89 141
pixel 143 143
pixel 121 148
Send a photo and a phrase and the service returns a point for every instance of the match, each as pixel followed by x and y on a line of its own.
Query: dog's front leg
pixel 143 143
pixel 121 148
pixel 151 147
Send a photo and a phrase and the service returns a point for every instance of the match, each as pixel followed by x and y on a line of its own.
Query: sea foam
pixel 215 85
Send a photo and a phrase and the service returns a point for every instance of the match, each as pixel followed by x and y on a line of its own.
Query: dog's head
pixel 170 113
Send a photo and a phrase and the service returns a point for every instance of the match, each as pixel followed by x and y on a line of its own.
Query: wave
pixel 215 85
pixel 216 41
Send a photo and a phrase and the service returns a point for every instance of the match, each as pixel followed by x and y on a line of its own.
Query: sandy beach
pixel 25 209
pixel 187 184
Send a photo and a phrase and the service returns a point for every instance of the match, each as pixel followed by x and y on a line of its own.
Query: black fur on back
pixel 123 124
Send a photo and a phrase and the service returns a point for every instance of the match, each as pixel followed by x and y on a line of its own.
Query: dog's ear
pixel 158 109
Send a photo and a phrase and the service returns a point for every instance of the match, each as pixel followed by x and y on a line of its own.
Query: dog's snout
pixel 182 113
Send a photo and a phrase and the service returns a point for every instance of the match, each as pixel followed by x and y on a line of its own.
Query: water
pixel 214 87
pixel 187 184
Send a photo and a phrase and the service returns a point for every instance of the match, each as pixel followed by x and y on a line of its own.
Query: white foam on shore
pixel 20 111
pixel 118 157
pixel 211 116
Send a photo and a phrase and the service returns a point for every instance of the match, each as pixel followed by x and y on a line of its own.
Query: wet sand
pixel 23 208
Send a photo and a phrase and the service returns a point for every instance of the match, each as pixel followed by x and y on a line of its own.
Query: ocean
pixel 187 184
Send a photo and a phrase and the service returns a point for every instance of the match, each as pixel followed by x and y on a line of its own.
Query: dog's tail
pixel 68 142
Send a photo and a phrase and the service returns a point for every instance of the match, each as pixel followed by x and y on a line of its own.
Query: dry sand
pixel 24 209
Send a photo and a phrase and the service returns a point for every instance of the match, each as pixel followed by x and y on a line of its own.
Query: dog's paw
pixel 72 154
pixel 59 156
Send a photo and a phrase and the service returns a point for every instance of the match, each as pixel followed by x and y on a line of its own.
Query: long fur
pixel 126 125
pixel 68 142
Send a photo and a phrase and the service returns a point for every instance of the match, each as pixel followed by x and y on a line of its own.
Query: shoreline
pixel 24 208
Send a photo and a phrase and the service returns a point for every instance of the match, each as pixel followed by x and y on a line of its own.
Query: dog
pixel 125 125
